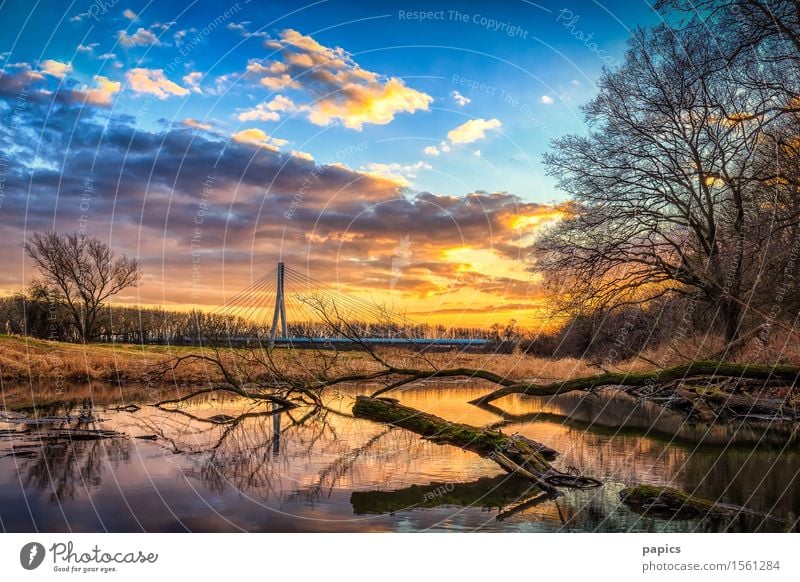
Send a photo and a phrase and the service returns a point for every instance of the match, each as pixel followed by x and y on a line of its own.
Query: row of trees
pixel 78 275
pixel 687 186
pixel 37 314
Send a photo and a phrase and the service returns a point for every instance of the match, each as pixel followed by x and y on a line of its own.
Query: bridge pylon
pixel 280 309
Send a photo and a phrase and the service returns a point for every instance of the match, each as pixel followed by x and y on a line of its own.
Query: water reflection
pixel 225 464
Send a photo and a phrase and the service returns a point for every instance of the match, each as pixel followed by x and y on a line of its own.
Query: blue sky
pixel 505 76
pixel 425 102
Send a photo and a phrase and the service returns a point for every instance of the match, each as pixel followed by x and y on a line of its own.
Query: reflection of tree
pixel 69 467
pixel 327 478
pixel 243 450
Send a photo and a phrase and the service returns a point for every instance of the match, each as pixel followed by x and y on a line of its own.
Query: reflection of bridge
pixel 290 308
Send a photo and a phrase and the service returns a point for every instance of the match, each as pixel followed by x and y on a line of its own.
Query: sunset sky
pixel 397 157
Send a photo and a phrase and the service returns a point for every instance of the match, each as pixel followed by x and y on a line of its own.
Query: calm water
pixel 228 465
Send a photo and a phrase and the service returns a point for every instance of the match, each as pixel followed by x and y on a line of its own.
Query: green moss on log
pixel 666 502
pixel 481 441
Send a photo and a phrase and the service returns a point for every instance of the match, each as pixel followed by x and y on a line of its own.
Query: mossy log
pixel 515 454
pixel 666 502
pixel 788 375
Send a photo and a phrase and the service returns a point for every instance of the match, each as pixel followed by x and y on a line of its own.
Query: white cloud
pixel 472 130
pixel 268 111
pixel 431 151
pixel 241 28
pixel 282 103
pixel 154 82
pixel 547 100
pixel 395 172
pixel 87 48
pixel 130 14
pixel 193 81
pixel 180 35
pixel 142 37
pixel 460 99
pixel 258 113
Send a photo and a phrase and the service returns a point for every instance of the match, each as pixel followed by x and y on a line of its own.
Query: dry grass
pixel 517 366
pixel 780 347
pixel 24 359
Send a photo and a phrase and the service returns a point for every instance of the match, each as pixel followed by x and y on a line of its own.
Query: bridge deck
pixel 382 340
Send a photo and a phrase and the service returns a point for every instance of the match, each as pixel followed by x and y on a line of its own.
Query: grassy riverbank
pixel 23 359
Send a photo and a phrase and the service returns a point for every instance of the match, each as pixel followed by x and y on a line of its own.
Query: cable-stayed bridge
pixel 285 307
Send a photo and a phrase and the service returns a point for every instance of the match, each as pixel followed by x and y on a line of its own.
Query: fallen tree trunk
pixel 669 503
pixel 516 454
pixel 768 373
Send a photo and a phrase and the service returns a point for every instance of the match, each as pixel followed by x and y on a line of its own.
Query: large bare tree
pixel 669 188
pixel 81 273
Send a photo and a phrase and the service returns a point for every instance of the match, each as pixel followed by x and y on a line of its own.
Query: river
pixel 227 464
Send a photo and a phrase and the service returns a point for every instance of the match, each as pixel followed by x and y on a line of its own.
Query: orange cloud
pixel 374 103
pixel 154 82
pixel 341 90
pixel 55 68
pixel 189 122
pixel 102 92
pixel 258 138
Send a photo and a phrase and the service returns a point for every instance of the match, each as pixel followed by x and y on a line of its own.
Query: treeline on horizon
pixel 38 317
pixel 598 336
